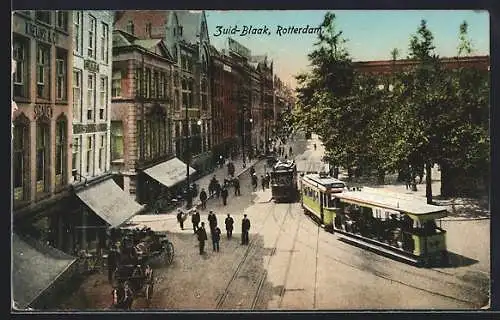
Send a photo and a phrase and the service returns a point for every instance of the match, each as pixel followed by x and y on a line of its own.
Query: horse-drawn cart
pixel 131 281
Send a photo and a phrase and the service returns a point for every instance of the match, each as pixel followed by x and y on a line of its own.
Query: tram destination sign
pixel 41 33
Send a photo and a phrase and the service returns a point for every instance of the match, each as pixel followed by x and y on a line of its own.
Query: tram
pixel 284 181
pixel 388 223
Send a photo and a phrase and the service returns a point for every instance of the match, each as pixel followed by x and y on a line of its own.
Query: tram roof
pixel 322 180
pixel 390 202
pixel 285 165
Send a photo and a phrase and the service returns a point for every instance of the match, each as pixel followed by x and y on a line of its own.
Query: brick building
pixel 265 68
pixel 141 120
pixel 186 37
pixel 389 66
pixel 42 49
pixel 257 116
pixel 224 115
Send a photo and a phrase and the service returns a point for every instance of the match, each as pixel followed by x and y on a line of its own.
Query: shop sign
pixel 41 33
pixel 91 65
pixel 43 111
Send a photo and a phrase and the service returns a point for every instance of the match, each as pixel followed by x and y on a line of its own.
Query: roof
pixel 170 172
pixel 311 166
pixel 389 201
pixel 110 202
pixel 191 24
pixel 284 165
pixel 29 282
pixel 155 46
pixel 326 181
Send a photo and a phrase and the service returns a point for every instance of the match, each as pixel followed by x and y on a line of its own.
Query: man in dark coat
pixel 112 261
pixel 180 218
pixel 217 189
pixel 254 182
pixel 202 237
pixel 263 182
pixel 203 198
pixel 245 226
pixel 216 239
pixel 224 194
pixel 229 226
pixel 195 219
pixel 268 180
pixel 212 221
pixel 236 184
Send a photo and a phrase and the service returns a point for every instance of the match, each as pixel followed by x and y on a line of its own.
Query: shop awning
pixel 170 172
pixel 35 268
pixel 110 202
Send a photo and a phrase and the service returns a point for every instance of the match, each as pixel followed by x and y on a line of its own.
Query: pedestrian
pixel 211 186
pixel 112 262
pixel 224 194
pixel 203 198
pixel 180 218
pixel 229 226
pixel 263 182
pixel 268 180
pixel 195 219
pixel 212 221
pixel 216 239
pixel 290 151
pixel 245 226
pixel 202 237
pixel 315 146
pixel 217 189
pixel 254 182
pixel 236 183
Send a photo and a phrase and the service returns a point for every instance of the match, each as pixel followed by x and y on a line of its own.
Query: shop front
pixel 162 184
pixel 104 205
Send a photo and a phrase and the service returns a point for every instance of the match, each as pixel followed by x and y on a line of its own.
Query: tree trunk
pixel 428 182
pixel 336 172
pixel 380 176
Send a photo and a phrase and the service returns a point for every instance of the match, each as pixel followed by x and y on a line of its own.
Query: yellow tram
pixel 388 223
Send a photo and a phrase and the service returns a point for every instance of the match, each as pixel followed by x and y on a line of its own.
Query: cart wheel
pixel 148 291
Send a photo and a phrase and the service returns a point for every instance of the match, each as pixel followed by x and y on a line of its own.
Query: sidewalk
pixel 220 174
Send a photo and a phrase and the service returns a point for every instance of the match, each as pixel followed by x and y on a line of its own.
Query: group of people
pixel 215 231
pixel 265 181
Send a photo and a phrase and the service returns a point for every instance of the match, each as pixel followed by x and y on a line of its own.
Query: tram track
pixel 463 286
pixel 252 247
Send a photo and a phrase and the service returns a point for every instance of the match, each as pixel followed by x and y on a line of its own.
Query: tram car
pixel 284 181
pixel 388 223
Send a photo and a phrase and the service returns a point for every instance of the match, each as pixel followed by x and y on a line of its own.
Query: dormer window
pixel 130 27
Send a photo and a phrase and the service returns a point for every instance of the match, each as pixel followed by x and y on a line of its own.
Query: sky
pixel 370 34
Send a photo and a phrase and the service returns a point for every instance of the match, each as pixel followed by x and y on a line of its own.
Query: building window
pixel 42 157
pixel 62 20
pixel 147 83
pixel 61 67
pixel 90 156
pixel 77 31
pixel 204 91
pixel 161 85
pixel 77 95
pixel 43 71
pixel 130 27
pixel 21 56
pixel 61 129
pixel 102 154
pixel 92 38
pixel 104 42
pixel 117 140
pixel 116 84
pixel 76 154
pixel 21 160
pixel 43 16
pixel 90 96
pixel 154 85
pixel 103 98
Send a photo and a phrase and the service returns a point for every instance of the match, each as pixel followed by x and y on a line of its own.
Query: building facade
pixel 91 87
pixel 142 105
pixel 186 36
pixel 42 49
pixel 265 66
